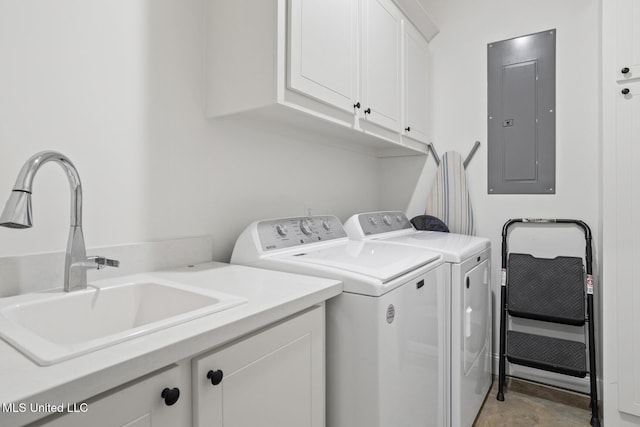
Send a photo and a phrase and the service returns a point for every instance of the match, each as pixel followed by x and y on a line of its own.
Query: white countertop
pixel 270 295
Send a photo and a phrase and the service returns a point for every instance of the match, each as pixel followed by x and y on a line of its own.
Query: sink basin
pixel 52 327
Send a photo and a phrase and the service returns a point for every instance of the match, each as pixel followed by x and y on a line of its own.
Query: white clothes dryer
pixel 468 275
pixel 385 334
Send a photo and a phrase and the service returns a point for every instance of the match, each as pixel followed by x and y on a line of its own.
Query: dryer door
pixel 476 306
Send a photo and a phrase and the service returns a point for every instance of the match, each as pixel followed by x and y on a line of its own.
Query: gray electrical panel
pixel 521 121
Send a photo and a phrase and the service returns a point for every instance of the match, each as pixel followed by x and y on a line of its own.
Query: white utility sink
pixel 52 327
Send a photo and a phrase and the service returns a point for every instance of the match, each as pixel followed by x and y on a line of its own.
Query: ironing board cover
pixel 449 198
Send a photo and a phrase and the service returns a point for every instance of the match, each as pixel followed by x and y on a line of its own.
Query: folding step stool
pixel 550 290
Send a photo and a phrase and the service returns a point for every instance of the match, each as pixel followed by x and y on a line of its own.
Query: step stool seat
pixel 551 290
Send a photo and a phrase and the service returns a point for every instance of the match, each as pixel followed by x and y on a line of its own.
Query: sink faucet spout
pixel 17 214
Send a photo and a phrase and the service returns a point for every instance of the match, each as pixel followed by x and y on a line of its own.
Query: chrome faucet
pixel 17 214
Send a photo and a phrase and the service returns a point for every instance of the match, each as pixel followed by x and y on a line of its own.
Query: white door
pixel 381 63
pixel 476 309
pixel 323 54
pixel 628 246
pixel 416 94
pixel 272 379
pixel 628 39
pixel 138 405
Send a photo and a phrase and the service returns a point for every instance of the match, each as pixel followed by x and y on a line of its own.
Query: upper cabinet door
pixel 628 39
pixel 323 55
pixel 416 84
pixel 381 63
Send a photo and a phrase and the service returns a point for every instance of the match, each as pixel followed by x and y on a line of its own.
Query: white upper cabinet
pixel 323 50
pixel 333 67
pixel 416 88
pixel 628 40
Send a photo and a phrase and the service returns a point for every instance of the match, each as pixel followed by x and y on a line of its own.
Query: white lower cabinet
pixel 272 379
pixel 159 400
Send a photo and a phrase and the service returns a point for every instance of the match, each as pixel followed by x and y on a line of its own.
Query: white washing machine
pixel 468 263
pixel 385 335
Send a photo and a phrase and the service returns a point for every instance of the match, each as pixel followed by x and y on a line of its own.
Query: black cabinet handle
pixel 468 282
pixel 408 128
pixel 367 111
pixel 625 91
pixel 215 376
pixel 625 70
pixel 356 105
pixel 170 395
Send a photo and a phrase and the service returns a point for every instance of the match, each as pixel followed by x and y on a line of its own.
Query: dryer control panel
pixel 296 231
pixel 383 222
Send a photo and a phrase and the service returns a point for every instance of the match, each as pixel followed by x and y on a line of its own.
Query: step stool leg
pixel 503 339
pixel 595 421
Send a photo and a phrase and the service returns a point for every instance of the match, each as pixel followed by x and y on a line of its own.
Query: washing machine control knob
pixel 326 225
pixel 386 219
pixel 305 227
pixel 281 230
pixel 373 220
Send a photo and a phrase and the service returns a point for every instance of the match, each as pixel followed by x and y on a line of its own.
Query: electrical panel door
pixel 521 121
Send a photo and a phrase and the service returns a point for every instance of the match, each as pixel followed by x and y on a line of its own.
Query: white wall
pixel 117 85
pixel 459 114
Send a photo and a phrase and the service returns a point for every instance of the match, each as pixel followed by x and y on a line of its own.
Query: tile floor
pixel 527 405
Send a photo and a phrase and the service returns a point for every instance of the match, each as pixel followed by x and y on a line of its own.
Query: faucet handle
pixel 100 262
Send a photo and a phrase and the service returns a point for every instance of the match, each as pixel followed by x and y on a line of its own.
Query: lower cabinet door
pixel 159 400
pixel 274 378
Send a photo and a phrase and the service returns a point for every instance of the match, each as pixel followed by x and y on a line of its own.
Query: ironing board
pixel 449 198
